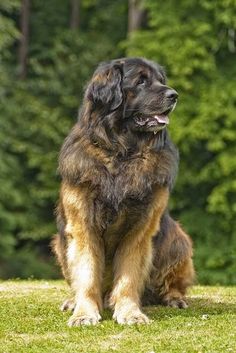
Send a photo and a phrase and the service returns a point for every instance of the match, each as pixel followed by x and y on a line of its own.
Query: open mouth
pixel 154 122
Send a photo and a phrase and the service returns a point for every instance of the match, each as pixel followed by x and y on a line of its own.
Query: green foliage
pixel 195 41
pixel 8 34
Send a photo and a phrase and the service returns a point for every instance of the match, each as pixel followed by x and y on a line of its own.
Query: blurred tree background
pixel 49 49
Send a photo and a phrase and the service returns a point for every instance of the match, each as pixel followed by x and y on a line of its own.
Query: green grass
pixel 31 322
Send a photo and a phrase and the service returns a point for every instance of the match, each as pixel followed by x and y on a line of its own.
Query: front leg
pixel 133 260
pixel 85 258
pixel 85 266
pixel 131 264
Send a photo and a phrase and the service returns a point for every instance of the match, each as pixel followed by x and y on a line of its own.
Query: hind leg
pixel 172 271
pixel 59 246
pixel 172 285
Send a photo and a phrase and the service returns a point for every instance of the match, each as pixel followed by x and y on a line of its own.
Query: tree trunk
pixel 136 15
pixel 75 14
pixel 24 39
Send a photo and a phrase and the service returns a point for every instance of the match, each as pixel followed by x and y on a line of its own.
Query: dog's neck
pixel 127 143
pixel 110 134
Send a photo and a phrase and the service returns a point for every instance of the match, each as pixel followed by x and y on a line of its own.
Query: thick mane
pixel 104 151
pixel 110 132
pixel 119 169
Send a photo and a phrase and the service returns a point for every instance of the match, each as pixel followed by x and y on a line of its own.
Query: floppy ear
pixel 105 89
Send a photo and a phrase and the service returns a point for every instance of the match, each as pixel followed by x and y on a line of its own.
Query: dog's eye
pixel 142 80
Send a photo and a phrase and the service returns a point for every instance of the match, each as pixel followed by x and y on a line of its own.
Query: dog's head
pixel 131 93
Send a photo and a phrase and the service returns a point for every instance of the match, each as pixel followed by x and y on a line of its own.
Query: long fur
pixel 115 237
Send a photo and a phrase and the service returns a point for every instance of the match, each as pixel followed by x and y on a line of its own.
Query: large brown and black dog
pixel 117 243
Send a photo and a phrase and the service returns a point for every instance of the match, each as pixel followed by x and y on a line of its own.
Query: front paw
pixel 84 319
pixel 131 317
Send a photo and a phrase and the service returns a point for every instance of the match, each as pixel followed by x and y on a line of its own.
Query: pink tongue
pixel 162 119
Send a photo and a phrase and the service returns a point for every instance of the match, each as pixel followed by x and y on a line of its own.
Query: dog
pixel 117 244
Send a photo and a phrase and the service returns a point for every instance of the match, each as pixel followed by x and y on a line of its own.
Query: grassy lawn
pixel 31 322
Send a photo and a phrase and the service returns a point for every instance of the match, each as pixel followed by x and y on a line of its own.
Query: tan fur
pixel 132 264
pixel 116 240
pixel 172 271
pixel 85 257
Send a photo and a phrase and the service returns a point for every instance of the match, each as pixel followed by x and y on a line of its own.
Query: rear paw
pixel 79 320
pixel 68 305
pixel 175 303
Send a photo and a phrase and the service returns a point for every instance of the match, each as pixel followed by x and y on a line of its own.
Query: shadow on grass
pixel 197 307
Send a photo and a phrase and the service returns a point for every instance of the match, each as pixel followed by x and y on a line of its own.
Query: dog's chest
pixel 125 193
pixel 124 185
pixel 132 178
pixel 129 214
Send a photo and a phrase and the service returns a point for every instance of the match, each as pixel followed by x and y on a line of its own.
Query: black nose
pixel 171 94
